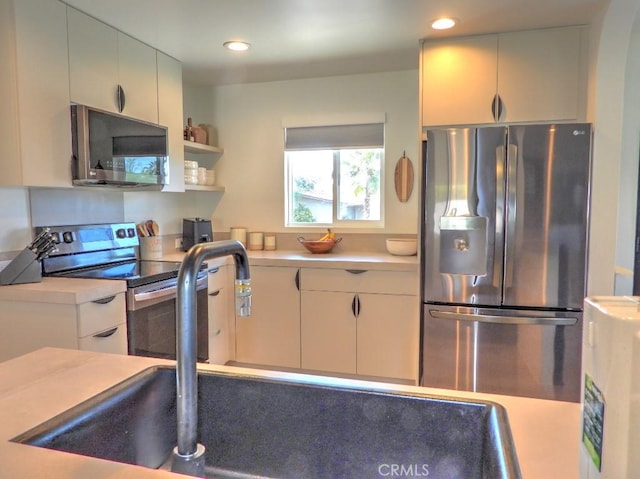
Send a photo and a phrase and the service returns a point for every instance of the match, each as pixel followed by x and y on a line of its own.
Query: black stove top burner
pixel 136 273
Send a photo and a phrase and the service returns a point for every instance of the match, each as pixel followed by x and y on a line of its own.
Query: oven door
pixel 151 319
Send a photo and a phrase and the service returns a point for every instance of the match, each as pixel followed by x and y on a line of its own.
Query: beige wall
pixel 249 120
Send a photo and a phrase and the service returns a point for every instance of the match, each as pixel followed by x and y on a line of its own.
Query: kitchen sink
pixel 289 428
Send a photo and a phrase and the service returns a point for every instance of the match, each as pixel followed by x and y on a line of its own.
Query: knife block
pixel 24 268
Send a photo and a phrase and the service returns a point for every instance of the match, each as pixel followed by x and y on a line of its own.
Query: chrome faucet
pixel 188 455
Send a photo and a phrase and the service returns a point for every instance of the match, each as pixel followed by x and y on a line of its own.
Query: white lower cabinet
pixel 221 315
pixel 360 322
pixel 98 325
pixel 271 335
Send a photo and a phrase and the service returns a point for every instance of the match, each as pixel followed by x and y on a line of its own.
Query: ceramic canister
pixel 256 241
pixel 269 242
pixel 239 233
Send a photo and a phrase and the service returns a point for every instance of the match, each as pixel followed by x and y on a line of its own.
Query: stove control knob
pixel 55 236
pixel 131 233
pixel 68 237
pixel 121 233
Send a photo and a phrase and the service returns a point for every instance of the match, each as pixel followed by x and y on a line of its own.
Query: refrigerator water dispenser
pixel 463 245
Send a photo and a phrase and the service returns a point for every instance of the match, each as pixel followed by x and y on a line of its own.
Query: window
pixel 334 175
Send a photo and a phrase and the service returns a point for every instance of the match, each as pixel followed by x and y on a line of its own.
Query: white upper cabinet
pixel 138 76
pixel 540 75
pixel 459 79
pixel 35 124
pixel 537 75
pixel 110 70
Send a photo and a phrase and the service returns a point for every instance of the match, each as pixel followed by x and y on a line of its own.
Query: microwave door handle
pixel 515 320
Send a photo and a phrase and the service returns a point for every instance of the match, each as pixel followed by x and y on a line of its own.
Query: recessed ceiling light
pixel 236 46
pixel 443 23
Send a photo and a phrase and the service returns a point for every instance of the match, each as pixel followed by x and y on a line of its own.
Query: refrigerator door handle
pixel 510 214
pixel 481 318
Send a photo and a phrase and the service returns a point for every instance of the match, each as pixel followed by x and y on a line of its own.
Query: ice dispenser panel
pixel 463 245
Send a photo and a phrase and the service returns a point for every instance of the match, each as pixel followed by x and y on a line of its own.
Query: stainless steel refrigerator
pixel 505 215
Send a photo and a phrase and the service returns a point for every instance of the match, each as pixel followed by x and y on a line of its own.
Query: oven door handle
pixel 169 291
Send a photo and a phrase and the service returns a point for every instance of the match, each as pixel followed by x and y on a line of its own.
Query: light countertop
pixel 37 386
pixel 62 290
pixel 303 259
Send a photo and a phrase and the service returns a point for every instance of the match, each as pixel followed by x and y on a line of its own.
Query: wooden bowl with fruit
pixel 321 245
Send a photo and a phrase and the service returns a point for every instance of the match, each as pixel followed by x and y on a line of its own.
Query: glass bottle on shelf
pixel 188 130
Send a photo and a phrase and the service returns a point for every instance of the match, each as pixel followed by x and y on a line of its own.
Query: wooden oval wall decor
pixel 404 178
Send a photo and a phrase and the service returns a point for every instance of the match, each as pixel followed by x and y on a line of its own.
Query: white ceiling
pixel 311 38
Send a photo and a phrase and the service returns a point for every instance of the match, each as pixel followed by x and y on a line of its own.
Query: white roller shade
pixel 334 137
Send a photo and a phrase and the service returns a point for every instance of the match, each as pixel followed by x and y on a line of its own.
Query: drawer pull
pixel 214 293
pixel 213 270
pixel 107 333
pixel 106 300
pixel 356 271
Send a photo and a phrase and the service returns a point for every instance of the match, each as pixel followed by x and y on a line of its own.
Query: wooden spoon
pixel 153 228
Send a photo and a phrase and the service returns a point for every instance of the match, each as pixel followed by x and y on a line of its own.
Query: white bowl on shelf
pixel 402 246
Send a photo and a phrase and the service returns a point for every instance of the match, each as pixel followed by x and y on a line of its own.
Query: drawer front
pixel 94 317
pixel 112 340
pixel 218 278
pixel 360 281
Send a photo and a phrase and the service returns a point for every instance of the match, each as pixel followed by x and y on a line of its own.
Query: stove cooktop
pixel 135 273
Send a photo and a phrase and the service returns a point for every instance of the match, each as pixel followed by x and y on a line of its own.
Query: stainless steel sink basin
pixel 256 427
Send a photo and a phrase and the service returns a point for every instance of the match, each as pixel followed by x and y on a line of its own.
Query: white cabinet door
pixel 138 77
pixel 388 336
pixel 271 335
pixel 35 125
pixel 459 80
pixel 328 331
pixel 10 169
pixel 540 74
pixel 101 58
pixel 221 318
pixel 93 61
pixel 170 115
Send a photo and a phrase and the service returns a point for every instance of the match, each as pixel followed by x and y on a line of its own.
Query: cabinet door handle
pixel 355 305
pixel 214 293
pixel 297 280
pixel 106 300
pixel 121 98
pixel 217 333
pixel 496 107
pixel 356 271
pixel 213 270
pixel 107 333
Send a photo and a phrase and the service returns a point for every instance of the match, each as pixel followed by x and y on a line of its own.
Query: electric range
pixel 112 252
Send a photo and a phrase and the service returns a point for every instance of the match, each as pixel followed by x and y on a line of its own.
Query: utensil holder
pixel 24 268
pixel 151 248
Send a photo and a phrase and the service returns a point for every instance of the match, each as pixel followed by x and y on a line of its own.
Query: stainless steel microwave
pixel 112 149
